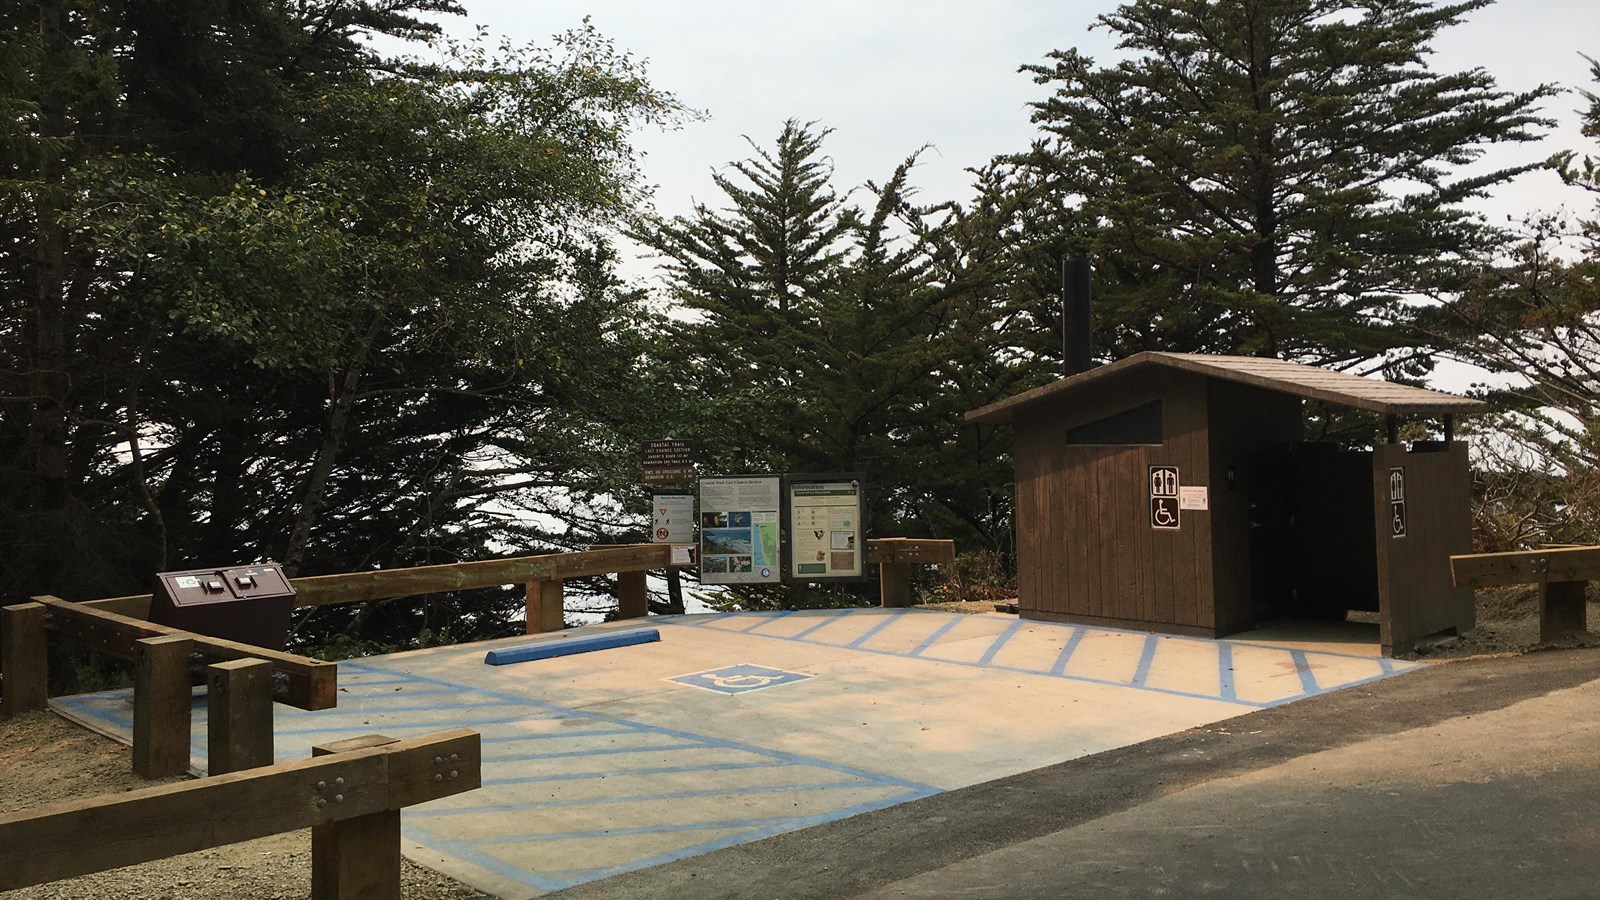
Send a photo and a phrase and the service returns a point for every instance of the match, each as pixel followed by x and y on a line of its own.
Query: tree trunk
pixel 47 335
pixel 316 481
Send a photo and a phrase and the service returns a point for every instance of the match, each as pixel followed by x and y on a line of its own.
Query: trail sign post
pixel 667 462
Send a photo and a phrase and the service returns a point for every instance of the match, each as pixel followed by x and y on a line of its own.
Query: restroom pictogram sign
pixel 1397 502
pixel 1164 484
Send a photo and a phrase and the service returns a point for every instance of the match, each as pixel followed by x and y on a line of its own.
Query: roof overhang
pixel 1310 382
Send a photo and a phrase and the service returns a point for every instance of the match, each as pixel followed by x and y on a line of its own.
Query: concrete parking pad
pixel 738 726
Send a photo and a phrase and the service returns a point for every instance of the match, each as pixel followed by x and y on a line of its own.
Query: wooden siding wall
pixel 1085 548
pixel 1244 420
pixel 1417 596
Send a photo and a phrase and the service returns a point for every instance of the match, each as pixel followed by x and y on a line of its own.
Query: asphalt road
pixel 1477 778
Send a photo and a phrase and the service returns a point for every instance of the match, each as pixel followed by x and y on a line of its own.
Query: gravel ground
pixel 1508 624
pixel 45 759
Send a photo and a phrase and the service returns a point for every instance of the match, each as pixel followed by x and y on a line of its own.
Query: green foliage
pixel 1274 177
pixel 823 336
pixel 269 294
pixel 1533 320
pixel 980 576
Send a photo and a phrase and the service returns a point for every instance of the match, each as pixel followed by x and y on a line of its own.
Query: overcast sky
pixel 892 75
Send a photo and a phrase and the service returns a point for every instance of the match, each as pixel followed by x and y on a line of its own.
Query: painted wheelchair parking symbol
pixel 739 679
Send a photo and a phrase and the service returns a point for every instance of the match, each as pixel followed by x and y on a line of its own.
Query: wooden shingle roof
pixel 1339 388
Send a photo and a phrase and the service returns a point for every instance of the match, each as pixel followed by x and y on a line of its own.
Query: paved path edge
pixel 858 854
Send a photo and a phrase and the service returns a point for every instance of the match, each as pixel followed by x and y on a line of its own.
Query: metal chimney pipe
pixel 1077 343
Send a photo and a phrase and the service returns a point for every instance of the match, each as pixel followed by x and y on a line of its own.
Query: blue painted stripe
pixel 932 639
pixel 1059 670
pixel 826 621
pixel 767 620
pixel 1067 650
pixel 1349 684
pixel 873 631
pixel 1225 671
pixel 551 649
pixel 1141 673
pixel 1336 654
pixel 701 620
pixel 715 743
pixel 608 751
pixel 994 648
pixel 646 798
pixel 629 831
pixel 369 708
pixel 404 694
pixel 466 852
pixel 630 773
pixel 395 726
pixel 89 709
pixel 1040 673
pixel 761 828
pixel 1308 681
pixel 553 735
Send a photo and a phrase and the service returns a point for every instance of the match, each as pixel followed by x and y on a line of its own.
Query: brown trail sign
pixel 668 461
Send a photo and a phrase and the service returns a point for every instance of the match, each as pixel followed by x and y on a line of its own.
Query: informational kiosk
pixel 1176 492
pixel 825 537
pixel 739 521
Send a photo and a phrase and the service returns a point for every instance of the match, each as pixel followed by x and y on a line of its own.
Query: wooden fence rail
pixel 306 683
pixel 896 556
pixel 1562 575
pixel 118 626
pixel 364 786
pixel 388 584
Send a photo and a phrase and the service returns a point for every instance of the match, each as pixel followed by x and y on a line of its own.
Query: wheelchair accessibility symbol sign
pixel 739 679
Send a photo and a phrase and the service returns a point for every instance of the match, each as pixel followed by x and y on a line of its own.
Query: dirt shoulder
pixel 45 759
pixel 1508 624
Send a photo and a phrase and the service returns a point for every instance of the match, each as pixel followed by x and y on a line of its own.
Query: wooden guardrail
pixel 305 683
pixel 350 794
pixel 239 718
pixel 896 556
pixel 118 626
pixel 542 575
pixel 1562 575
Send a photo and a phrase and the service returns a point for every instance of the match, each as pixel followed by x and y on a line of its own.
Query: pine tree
pixel 751 276
pixel 267 294
pixel 1275 177
pixel 1533 320
pixel 860 353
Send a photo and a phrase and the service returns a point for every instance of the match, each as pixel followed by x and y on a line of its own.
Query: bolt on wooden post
pixel 161 703
pixel 357 857
pixel 238 715
pixel 24 673
pixel 546 606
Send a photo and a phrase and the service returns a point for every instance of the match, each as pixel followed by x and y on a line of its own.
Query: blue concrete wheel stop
pixel 552 649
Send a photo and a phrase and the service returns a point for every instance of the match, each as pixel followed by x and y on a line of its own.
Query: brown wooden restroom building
pixel 1175 492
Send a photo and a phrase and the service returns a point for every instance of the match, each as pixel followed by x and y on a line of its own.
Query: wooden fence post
pixel 546 606
pixel 161 702
pixel 1561 609
pixel 633 595
pixel 238 715
pixel 357 857
pixel 24 668
pixel 894 584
